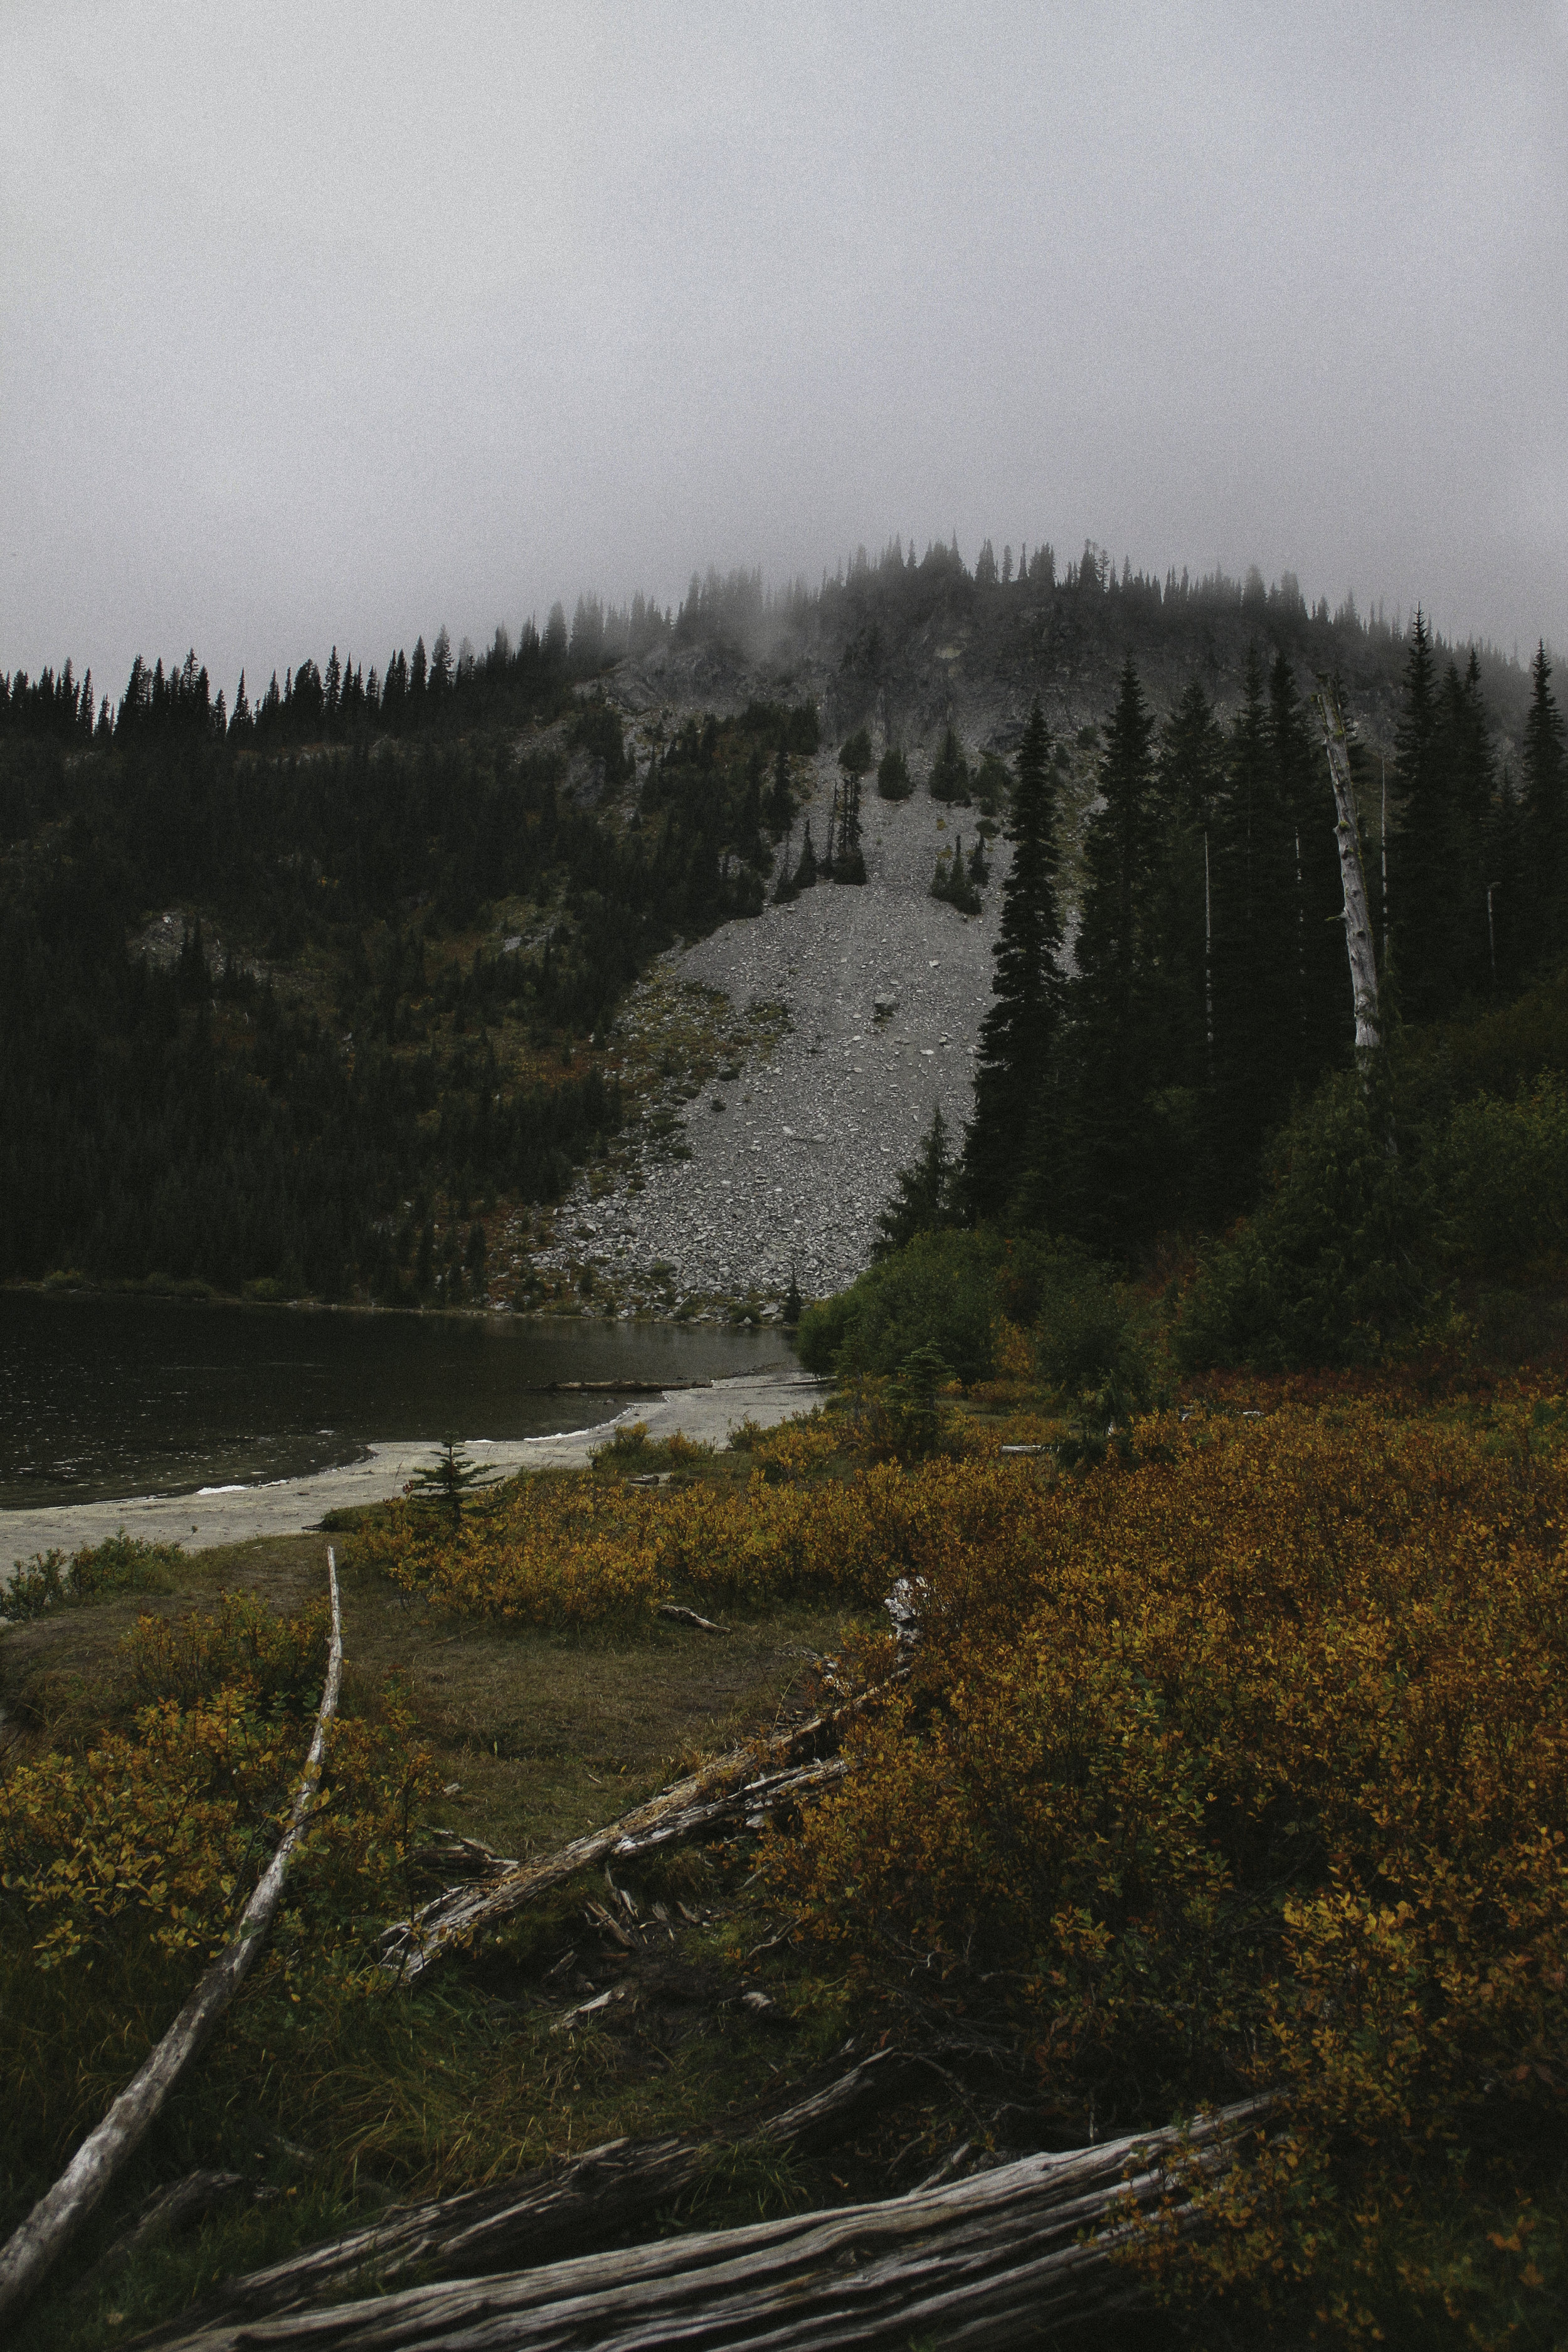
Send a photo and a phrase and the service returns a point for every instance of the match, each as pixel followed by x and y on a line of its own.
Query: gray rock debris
pixel 885 987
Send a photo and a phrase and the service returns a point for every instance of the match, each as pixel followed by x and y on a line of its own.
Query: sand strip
pixel 292 1505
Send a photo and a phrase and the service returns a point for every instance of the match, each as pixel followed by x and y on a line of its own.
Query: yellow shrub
pixel 1248 1765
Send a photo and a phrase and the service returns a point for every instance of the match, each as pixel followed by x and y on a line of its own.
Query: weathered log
pixel 593 2200
pixel 992 2261
pixel 679 1616
pixel 729 1791
pixel 61 2211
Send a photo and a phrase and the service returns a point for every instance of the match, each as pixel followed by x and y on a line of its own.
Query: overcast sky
pixel 331 324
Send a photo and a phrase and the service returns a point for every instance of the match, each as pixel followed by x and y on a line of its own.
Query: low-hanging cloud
pixel 330 325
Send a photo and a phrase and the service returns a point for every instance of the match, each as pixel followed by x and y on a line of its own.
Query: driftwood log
pixel 993 2261
pixel 594 2201
pixel 60 2213
pixel 731 1792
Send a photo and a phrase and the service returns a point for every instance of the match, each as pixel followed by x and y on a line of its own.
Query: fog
pixel 331 325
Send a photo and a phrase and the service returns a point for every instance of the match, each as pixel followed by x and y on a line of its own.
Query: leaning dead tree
pixel 597 2199
pixel 727 1794
pixel 61 2211
pixel 993 2261
pixel 1358 923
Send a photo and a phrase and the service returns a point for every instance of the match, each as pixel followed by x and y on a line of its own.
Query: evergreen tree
pixel 779 808
pixel 950 771
pixel 1189 775
pixel 1422 851
pixel 1112 1181
pixel 450 1478
pixel 805 872
pixel 1470 786
pixel 1018 1033
pixel 893 780
pixel 1253 873
pixel 925 1196
pixel 1546 813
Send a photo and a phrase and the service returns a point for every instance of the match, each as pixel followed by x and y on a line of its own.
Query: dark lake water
pixel 101 1398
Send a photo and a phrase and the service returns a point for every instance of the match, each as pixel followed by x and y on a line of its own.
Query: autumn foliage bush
pixel 1244 1767
pixel 124 1867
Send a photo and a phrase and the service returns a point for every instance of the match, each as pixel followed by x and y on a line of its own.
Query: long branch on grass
pixel 994 2260
pixel 729 1792
pixel 60 2213
pixel 591 2202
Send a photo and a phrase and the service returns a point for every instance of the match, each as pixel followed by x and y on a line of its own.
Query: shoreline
pixel 287 1507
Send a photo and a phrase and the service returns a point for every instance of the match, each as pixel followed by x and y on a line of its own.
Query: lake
pixel 106 1397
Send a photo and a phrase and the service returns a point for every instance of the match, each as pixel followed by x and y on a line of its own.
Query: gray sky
pixel 334 323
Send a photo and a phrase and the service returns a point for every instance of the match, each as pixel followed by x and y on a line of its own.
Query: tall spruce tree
pixel 1470 775
pixel 1114 1186
pixel 1189 775
pixel 1255 948
pixel 1420 851
pixel 1546 813
pixel 1018 1033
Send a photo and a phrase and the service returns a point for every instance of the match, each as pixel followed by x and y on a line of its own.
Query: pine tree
pixel 1422 851
pixel 450 1478
pixel 1545 813
pixel 950 773
pixel 1018 1034
pixel 925 1194
pixel 1255 948
pixel 1113 1174
pixel 1189 774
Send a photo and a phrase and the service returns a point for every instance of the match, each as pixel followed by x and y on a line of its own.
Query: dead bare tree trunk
pixel 727 1793
pixel 988 2261
pixel 1358 922
pixel 591 2202
pixel 60 2213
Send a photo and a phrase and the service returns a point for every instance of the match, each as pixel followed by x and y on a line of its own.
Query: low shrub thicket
pixel 123 1868
pixel 1248 1766
pixel 961 1293
pixel 50 1580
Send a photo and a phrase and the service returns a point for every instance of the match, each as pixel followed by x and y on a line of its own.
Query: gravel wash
pixel 790 1159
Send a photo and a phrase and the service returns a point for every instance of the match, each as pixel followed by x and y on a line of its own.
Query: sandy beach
pixel 228 1515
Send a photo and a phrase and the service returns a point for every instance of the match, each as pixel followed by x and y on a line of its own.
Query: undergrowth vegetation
pixel 51 1580
pixel 1233 1759
pixel 1246 1766
pixel 125 1862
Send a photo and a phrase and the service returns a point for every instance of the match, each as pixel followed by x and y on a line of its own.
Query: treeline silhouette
pixel 209 1123
pixel 234 1126
pixel 1128 1093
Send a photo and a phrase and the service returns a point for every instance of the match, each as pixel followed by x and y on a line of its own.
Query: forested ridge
pixel 432 883
pixel 330 1107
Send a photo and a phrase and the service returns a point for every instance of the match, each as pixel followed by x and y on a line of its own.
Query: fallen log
pixel 732 1792
pixel 60 2213
pixel 679 1616
pixel 593 2200
pixel 992 2261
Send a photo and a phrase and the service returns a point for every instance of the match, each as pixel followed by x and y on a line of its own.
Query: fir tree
pixel 1545 812
pixel 1255 935
pixel 925 1194
pixel 1018 1034
pixel 1422 850
pixel 1113 1167
pixel 950 773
